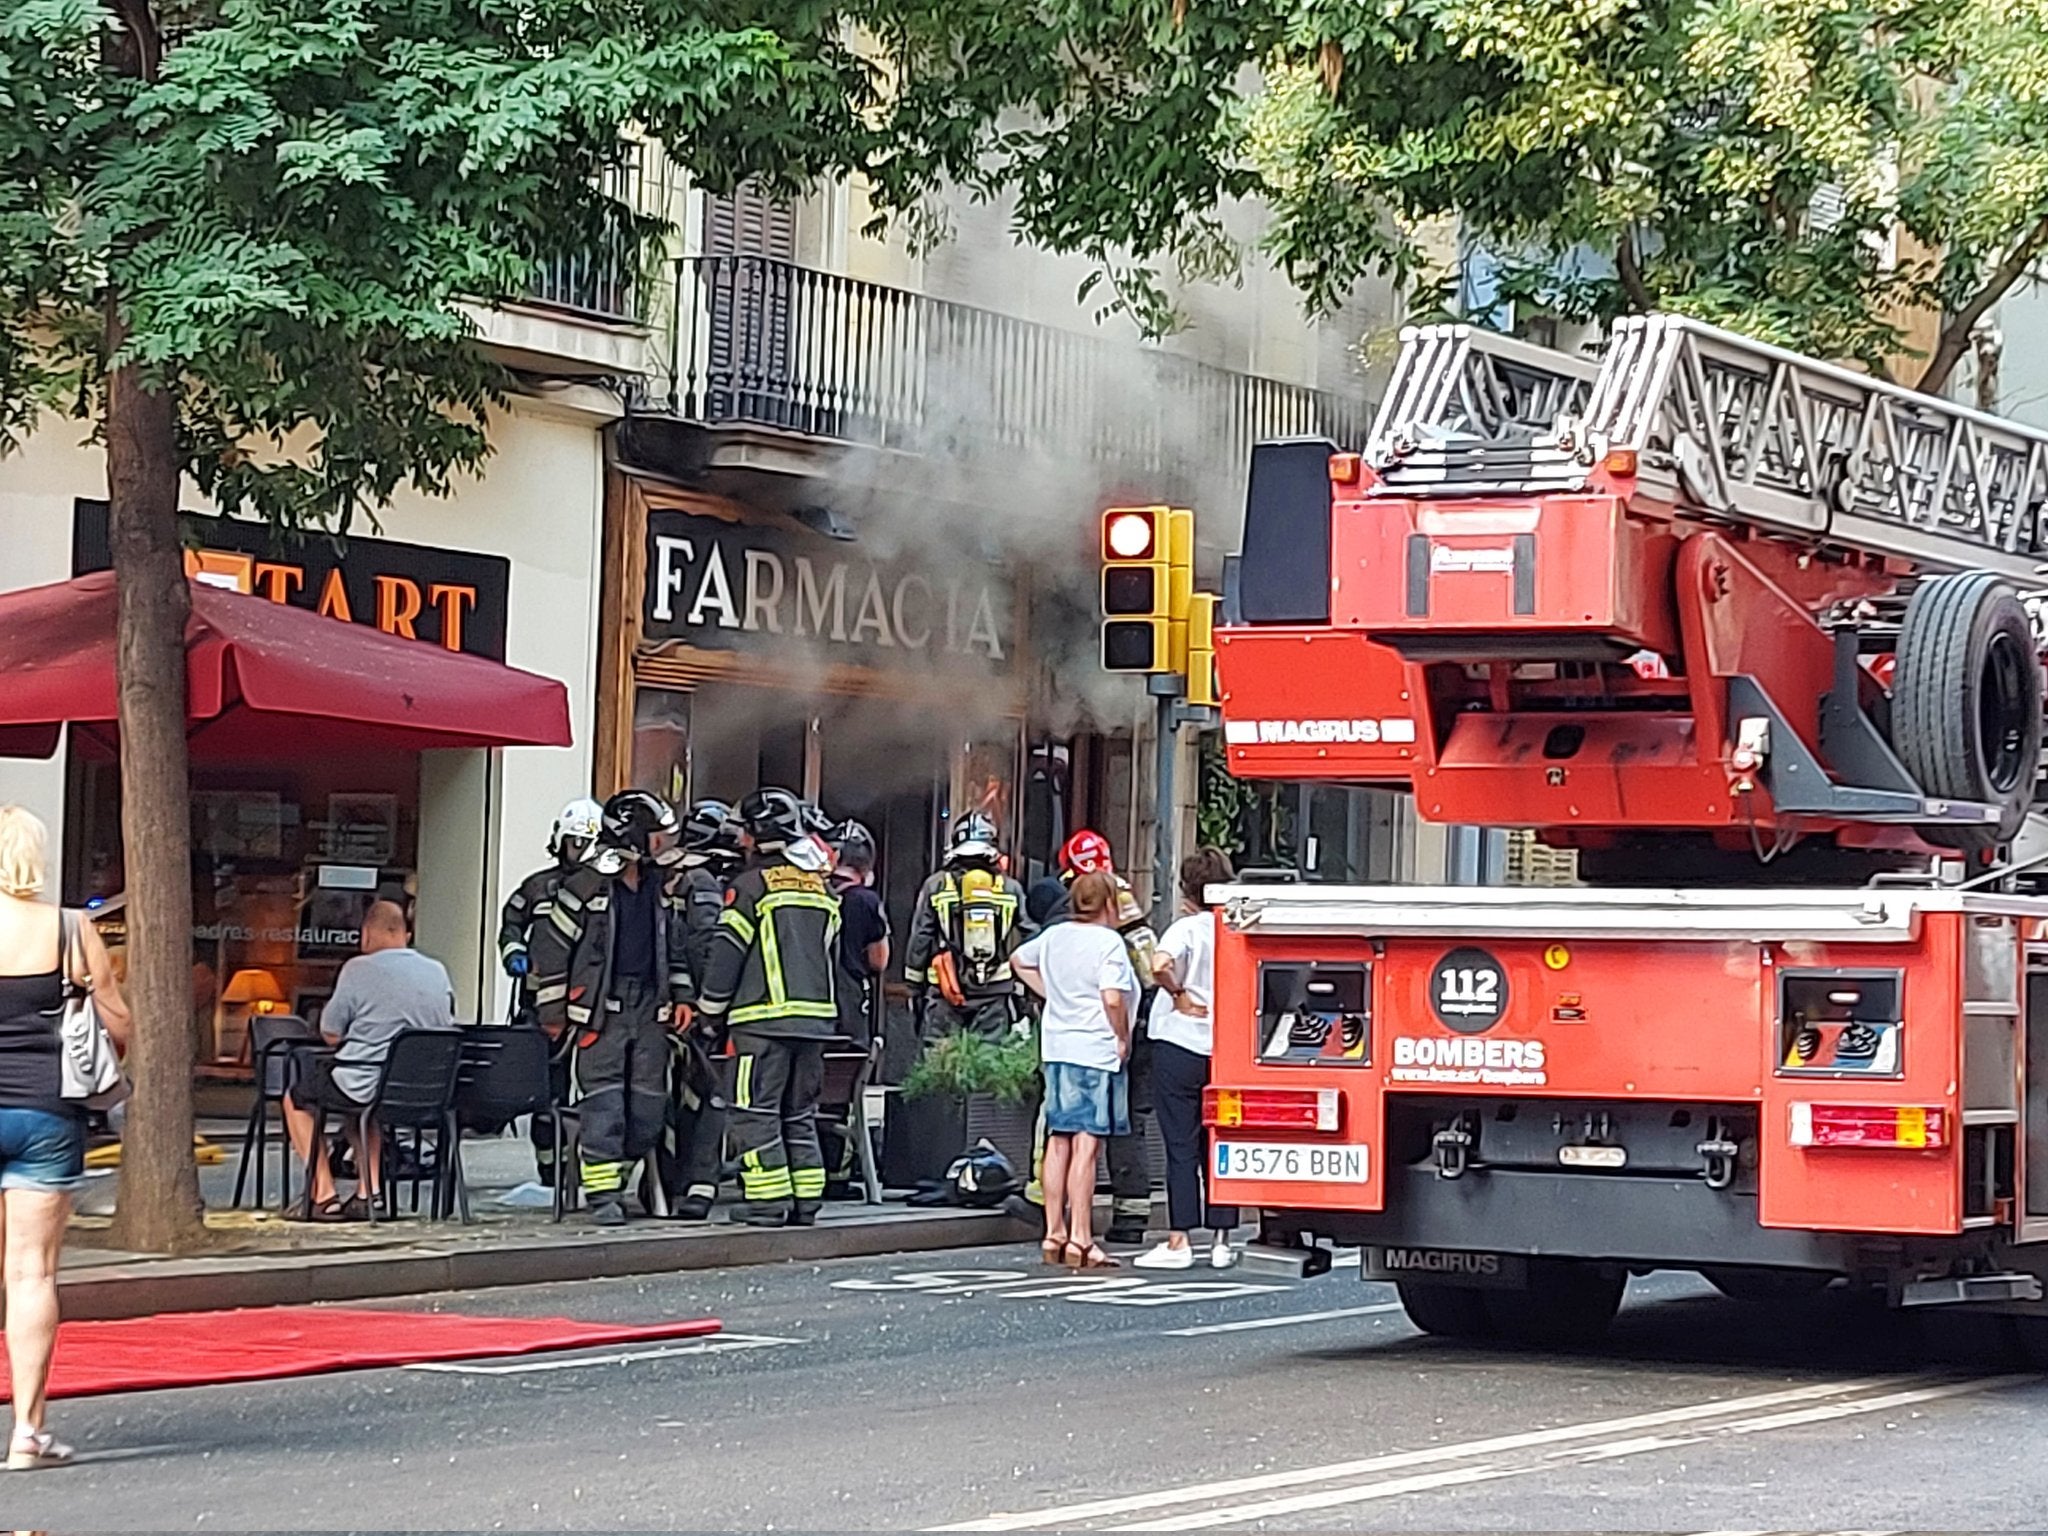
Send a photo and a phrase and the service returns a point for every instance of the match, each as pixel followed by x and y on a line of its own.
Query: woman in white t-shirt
pixel 1083 971
pixel 1185 966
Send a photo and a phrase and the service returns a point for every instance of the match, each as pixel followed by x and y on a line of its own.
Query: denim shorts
pixel 1086 1101
pixel 41 1150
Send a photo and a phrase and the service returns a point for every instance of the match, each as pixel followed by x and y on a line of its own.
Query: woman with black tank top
pixel 42 1137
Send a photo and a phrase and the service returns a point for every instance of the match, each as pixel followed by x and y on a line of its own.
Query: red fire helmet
pixel 1087 853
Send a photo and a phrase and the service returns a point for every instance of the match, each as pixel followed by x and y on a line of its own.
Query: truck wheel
pixel 1448 1311
pixel 1569 1304
pixel 1966 701
pixel 1740 1283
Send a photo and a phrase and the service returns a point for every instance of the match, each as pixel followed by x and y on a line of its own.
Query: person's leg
pixel 1221 1219
pixel 760 1079
pixel 35 1229
pixel 369 1150
pixel 800 1129
pixel 1130 1162
pixel 702 1134
pixel 1057 1232
pixel 647 1062
pixel 299 1126
pixel 1080 1187
pixel 601 1113
pixel 1177 1079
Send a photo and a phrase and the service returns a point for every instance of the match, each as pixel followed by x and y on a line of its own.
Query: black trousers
pixel 622 1086
pixel 1130 1164
pixel 774 1119
pixel 693 1150
pixel 989 1017
pixel 1178 1078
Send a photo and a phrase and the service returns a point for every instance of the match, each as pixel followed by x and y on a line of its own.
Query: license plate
pixel 1290 1161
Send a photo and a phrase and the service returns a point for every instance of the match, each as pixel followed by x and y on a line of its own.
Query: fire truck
pixel 1755 635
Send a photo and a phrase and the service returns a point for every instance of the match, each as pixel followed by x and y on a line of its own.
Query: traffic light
pixel 1147 573
pixel 1201 668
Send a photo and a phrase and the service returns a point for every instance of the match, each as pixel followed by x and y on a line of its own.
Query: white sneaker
pixel 1165 1256
pixel 1222 1256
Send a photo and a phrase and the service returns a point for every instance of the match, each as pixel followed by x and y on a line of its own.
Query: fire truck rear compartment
pixel 1645 1184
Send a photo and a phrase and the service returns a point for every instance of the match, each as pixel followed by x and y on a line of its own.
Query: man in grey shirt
pixel 389 987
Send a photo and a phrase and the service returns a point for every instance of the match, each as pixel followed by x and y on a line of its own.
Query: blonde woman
pixel 42 1138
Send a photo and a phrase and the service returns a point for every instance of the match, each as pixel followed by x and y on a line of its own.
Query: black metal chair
pixel 504 1075
pixel 271 1039
pixel 415 1092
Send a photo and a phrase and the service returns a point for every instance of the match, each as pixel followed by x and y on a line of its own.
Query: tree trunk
pixel 159 1209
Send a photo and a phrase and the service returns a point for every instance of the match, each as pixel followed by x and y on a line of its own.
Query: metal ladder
pixel 1727 427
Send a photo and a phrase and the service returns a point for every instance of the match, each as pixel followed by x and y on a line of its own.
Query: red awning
pixel 264 681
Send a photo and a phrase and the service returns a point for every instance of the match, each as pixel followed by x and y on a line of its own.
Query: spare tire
pixel 1966 702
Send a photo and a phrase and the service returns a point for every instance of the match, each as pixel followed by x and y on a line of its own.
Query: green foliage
pixel 961 1064
pixel 1749 161
pixel 1223 802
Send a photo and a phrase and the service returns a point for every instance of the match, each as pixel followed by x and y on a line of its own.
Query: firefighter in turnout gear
pixel 693 1145
pixel 970 917
pixel 612 969
pixel 1130 1168
pixel 527 911
pixel 769 982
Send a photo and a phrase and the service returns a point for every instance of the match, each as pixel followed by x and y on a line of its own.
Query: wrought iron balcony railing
pixel 767 343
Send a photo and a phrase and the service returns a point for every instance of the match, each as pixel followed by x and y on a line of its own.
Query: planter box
pixel 921 1136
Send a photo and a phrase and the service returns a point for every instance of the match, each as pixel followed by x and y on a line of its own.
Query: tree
pixel 1806 171
pixel 236 236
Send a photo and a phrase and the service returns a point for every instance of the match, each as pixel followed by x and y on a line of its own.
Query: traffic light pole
pixel 1165 689
pixel 1171 715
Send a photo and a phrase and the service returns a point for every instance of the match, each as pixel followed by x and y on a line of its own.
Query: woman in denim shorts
pixel 42 1137
pixel 1083 971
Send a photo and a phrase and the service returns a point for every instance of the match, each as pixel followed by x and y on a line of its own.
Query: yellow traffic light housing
pixel 1147 574
pixel 1201 665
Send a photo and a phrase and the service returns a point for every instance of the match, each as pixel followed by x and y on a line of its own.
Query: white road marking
pixel 1094 1289
pixel 720 1344
pixel 1713 1408
pixel 1366 1493
pixel 1282 1322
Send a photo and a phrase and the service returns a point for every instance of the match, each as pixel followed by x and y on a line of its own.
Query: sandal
pixel 1051 1249
pixel 1091 1257
pixel 36 1450
pixel 327 1212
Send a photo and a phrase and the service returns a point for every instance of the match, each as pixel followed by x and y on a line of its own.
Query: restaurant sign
pixel 725 586
pixel 453 600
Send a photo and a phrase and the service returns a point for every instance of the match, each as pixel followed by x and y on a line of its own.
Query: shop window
pixel 286 859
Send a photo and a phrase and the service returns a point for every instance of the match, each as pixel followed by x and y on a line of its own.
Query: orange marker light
pixel 1621 461
pixel 1344 468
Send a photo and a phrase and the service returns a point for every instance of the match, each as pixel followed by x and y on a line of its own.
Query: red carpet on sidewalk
pixel 197 1349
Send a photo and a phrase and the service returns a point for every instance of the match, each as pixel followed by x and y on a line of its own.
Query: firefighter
pixel 863 948
pixel 769 983
pixel 526 912
pixel 693 1146
pixel 969 919
pixel 614 972
pixel 1130 1169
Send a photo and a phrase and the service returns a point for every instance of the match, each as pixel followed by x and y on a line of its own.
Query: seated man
pixel 389 987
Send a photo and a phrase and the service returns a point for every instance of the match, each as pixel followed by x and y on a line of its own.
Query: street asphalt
pixel 976 1390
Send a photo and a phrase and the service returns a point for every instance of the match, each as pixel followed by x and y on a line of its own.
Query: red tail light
pixel 1272 1109
pixel 1883 1126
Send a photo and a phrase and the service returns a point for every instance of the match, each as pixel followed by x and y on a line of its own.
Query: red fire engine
pixel 1747 631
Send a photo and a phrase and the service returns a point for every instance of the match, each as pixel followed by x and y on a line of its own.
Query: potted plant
pixel 961 1088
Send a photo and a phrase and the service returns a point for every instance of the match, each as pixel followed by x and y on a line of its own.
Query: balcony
pixel 784 368
pixel 581 314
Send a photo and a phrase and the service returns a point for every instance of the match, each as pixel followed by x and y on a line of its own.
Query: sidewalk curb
pixel 281 1280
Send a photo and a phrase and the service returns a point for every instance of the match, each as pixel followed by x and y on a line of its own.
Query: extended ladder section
pixel 1722 426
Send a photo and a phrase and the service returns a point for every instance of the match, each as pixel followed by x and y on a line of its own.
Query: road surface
pixel 978 1391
